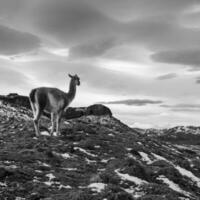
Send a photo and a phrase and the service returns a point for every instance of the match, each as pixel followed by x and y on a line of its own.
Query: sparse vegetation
pixel 120 163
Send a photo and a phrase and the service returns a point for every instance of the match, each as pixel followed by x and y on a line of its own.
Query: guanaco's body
pixel 52 100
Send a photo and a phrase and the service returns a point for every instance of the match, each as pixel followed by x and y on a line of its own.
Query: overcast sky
pixel 139 57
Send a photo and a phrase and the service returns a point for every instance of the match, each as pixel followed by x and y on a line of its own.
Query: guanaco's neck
pixel 72 90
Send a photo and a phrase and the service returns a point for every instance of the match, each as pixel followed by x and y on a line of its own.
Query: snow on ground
pixel 133 191
pixel 89 161
pixel 127 177
pixel 45 133
pixel 159 157
pixel 3 184
pixel 64 186
pixel 63 155
pixel 44 164
pixel 189 174
pixel 145 157
pixel 70 169
pixel 97 187
pixel 50 176
pixel 105 160
pixel 181 170
pixel 173 185
pixel 84 151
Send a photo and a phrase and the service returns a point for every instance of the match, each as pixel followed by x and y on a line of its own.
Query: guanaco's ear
pixel 70 75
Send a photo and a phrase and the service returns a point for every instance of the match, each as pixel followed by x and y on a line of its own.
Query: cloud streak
pixel 134 102
pixel 183 107
pixel 185 57
pixel 167 76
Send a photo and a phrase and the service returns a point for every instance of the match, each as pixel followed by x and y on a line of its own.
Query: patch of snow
pixel 70 169
pixel 50 176
pixel 133 191
pixel 65 155
pixel 44 164
pixel 7 161
pixel 105 160
pixel 64 186
pixel 173 185
pixel 55 134
pixel 97 146
pixel 38 171
pixel 133 179
pixel 145 157
pixel 45 133
pixel 20 198
pixel 3 184
pixel 159 157
pixel 75 143
pixel 84 151
pixel 97 187
pixel 189 174
pixel 36 180
pixel 128 149
pixel 182 171
pixel 89 161
pixel 48 183
pixel 130 156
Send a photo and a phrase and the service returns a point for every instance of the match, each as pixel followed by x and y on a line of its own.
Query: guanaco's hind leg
pixel 58 119
pixel 36 120
pixel 52 124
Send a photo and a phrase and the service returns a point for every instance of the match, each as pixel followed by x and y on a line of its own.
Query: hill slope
pixel 95 158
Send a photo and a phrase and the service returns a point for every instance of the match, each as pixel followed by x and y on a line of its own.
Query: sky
pixel 141 58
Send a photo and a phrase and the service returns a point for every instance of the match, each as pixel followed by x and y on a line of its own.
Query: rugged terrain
pixel 96 157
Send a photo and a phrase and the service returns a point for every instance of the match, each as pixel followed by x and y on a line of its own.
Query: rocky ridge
pixel 96 157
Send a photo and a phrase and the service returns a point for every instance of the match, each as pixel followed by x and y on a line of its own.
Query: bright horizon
pixel 139 58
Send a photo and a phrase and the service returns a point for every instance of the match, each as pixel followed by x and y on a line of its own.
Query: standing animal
pixel 53 101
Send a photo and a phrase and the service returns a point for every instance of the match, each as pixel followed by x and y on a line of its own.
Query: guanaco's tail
pixel 32 95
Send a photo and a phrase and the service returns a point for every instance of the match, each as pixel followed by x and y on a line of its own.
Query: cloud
pixel 133 102
pixel 71 21
pixel 186 57
pixel 167 76
pixel 183 107
pixel 131 9
pixel 15 42
pixel 93 48
pixel 198 80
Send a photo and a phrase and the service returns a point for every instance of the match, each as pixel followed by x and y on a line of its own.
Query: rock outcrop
pixel 16 100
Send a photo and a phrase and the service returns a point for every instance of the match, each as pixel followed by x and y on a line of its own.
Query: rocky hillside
pixel 187 135
pixel 96 158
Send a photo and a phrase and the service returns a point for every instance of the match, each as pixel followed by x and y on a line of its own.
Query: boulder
pixel 74 112
pixel 98 109
pixel 16 100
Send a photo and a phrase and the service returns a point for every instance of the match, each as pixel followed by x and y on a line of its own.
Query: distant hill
pixel 97 157
pixel 178 135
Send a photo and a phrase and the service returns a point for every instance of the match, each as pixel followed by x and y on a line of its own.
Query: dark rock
pixel 98 109
pixel 15 99
pixel 74 112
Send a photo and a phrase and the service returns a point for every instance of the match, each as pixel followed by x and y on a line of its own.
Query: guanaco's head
pixel 75 79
